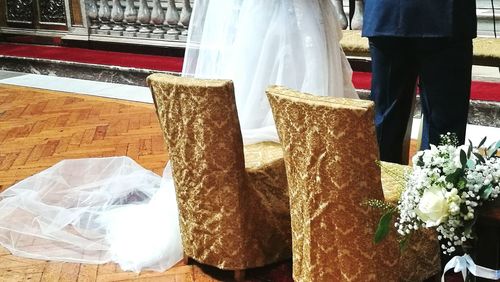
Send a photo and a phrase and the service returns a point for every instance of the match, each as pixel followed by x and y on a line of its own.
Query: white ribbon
pixel 465 262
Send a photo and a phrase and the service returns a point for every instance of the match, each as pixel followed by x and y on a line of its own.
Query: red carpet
pixel 480 90
pixel 486 91
pixel 97 57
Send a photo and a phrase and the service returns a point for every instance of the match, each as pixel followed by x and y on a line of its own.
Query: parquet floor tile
pixel 39 128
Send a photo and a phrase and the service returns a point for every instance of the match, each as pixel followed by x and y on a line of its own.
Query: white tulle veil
pixel 112 209
pixel 95 211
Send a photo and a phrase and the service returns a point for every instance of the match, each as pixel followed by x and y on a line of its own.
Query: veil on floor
pixel 112 209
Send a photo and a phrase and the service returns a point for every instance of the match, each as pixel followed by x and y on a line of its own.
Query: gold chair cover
pixel 330 153
pixel 233 203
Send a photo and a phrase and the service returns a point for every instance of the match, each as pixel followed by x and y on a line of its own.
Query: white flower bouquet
pixel 444 190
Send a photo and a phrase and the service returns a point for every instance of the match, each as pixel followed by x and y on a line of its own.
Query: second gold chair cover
pixel 233 202
pixel 330 153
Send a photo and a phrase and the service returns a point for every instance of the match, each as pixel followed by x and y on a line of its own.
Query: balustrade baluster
pixel 339 11
pixel 117 18
pixel 104 17
pixel 135 18
pixel 357 18
pixel 130 18
pixel 172 19
pixel 92 14
pixel 143 17
pixel 157 18
pixel 185 18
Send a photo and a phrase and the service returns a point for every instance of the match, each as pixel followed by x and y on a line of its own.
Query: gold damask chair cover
pixel 233 201
pixel 330 152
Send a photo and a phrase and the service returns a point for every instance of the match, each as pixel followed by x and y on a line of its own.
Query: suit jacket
pixel 420 18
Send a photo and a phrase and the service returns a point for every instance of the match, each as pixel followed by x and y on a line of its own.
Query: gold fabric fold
pixel 233 205
pixel 330 155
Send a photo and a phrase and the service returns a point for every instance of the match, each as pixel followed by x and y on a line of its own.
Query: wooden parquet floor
pixel 38 128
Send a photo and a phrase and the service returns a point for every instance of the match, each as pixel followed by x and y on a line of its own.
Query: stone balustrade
pixel 166 20
pixel 163 23
pixel 355 8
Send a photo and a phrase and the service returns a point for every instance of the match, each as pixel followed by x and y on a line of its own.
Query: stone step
pixel 486 23
pixel 486 4
pixel 482 113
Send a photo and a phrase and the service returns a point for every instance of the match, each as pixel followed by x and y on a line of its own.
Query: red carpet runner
pixel 486 91
pixel 480 90
pixel 88 56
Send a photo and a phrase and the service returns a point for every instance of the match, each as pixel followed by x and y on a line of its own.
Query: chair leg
pixel 185 259
pixel 239 275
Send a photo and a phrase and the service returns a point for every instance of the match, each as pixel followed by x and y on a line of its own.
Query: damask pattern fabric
pixel 421 254
pixel 230 217
pixel 330 152
pixel 392 177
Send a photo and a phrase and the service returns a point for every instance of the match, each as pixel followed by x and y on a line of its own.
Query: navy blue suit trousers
pixel 443 67
pixel 428 40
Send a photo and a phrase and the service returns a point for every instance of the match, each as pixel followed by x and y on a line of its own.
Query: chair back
pixel 201 129
pixel 330 152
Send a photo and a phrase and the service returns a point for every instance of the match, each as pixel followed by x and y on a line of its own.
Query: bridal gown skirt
pixel 101 210
pixel 258 43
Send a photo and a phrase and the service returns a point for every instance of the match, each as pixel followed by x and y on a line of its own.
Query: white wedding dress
pixel 112 209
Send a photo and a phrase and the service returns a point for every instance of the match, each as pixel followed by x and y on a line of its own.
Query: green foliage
pixel 486 191
pixel 403 242
pixel 482 142
pixel 455 176
pixel 469 150
pixel 480 158
pixel 420 161
pixel 463 158
pixel 493 149
pixel 383 226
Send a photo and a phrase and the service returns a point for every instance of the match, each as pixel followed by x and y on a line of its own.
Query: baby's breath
pixel 379 204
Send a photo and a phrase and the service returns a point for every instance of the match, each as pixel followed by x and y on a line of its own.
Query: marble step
pixel 483 113
pixel 486 23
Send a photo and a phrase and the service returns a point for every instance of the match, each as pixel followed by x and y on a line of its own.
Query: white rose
pixel 433 207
